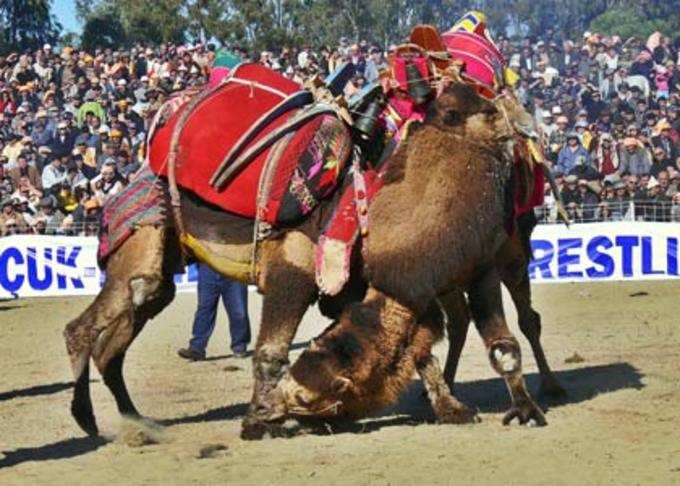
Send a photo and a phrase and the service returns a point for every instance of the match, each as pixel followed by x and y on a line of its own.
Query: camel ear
pixel 340 385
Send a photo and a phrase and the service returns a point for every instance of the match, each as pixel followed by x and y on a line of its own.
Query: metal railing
pixel 73 229
pixel 612 210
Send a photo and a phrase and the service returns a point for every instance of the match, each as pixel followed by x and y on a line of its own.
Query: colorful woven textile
pixel 308 166
pixel 141 203
pixel 309 171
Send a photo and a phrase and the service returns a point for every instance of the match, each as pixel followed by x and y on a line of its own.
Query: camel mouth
pixel 332 410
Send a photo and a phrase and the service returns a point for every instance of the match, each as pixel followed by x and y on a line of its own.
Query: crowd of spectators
pixel 607 110
pixel 72 123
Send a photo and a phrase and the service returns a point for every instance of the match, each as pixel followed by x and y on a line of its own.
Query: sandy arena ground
pixel 620 424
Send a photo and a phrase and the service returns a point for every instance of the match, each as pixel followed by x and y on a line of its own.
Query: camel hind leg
pixel 504 352
pixel 512 262
pixel 139 284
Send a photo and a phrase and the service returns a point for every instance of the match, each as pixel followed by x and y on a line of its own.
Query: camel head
pixel 460 110
pixel 313 386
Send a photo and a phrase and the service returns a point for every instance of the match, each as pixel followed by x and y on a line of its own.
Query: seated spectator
pixel 634 158
pixel 587 199
pixel 11 222
pixel 656 206
pixel 52 216
pixel 619 205
pixel 566 160
pixel 605 157
pixel 53 175
pixel 583 170
pixel 675 209
pixel 23 169
pixel 666 140
pixel 108 182
pixel 660 162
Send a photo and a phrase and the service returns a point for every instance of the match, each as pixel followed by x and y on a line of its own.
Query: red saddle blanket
pixel 308 162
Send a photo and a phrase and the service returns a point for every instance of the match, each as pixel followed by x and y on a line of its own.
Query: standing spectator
pixel 212 286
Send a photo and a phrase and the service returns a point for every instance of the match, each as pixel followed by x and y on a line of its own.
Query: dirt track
pixel 621 423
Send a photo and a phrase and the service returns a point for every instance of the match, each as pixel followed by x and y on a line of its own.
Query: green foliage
pixel 627 22
pixel 272 24
pixel 26 24
pixel 103 28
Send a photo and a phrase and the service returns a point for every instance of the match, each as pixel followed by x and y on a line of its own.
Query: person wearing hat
pixel 24 169
pixel 11 221
pixel 656 206
pixel 53 174
pixel 51 214
pixel 547 125
pixel 566 159
pixel 40 134
pixel 587 198
pixel 62 143
pixel 570 190
pixel 634 158
pixel 606 156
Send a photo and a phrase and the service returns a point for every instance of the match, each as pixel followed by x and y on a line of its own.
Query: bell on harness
pixel 367 121
pixel 418 87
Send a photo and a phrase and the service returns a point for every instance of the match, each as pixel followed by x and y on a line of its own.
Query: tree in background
pixel 103 28
pixel 270 24
pixel 26 24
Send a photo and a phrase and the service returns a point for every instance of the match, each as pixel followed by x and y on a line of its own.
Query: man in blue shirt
pixel 570 153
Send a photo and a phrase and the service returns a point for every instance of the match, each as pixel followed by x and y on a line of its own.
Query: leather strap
pixel 296 100
pixel 248 156
pixel 360 194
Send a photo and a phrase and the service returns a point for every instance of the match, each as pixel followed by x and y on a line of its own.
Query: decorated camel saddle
pixel 269 149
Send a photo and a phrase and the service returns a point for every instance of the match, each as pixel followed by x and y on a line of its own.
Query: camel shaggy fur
pixel 139 282
pixel 430 236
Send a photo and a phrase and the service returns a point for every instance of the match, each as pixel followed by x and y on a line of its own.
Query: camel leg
pixel 486 306
pixel 512 262
pixel 139 285
pixel 154 297
pixel 458 323
pixel 530 324
pixel 446 407
pixel 113 378
pixel 289 289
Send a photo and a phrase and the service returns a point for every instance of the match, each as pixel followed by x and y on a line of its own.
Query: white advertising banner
pixel 32 266
pixel 46 266
pixel 605 251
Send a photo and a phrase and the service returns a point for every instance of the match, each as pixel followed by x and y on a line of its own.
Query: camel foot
pixel 450 411
pixel 551 388
pixel 527 413
pixel 256 429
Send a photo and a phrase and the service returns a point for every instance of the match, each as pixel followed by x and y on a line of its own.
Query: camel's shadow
pixel 487 395
pixel 491 395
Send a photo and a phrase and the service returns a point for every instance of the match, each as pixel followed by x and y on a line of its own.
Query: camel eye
pixel 301 400
pixel 453 117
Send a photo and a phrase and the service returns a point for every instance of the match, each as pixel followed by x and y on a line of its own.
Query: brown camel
pixel 410 259
pixel 285 267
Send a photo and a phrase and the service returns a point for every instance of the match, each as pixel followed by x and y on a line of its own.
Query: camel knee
pixel 270 361
pixel 505 356
pixel 76 337
pixel 143 289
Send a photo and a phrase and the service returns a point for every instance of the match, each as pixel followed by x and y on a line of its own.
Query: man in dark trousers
pixel 212 285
